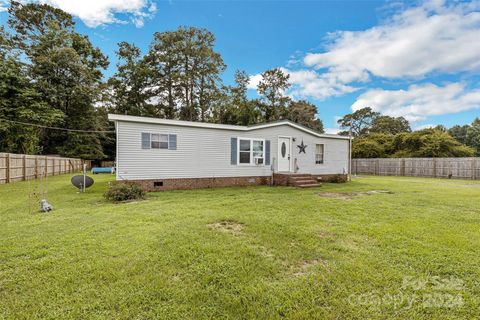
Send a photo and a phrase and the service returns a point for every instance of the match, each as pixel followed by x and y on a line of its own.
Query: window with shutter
pixel 159 141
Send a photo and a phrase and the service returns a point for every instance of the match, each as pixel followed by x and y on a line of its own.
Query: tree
pixel 272 87
pixel 472 137
pixel 185 73
pixel 19 101
pixel 192 69
pixel 165 68
pixel 424 143
pixel 359 122
pixel 373 145
pixel 429 143
pixel 366 148
pixel 459 133
pixel 390 125
pixel 65 69
pixel 468 135
pixel 128 88
pixel 245 110
pixel 304 113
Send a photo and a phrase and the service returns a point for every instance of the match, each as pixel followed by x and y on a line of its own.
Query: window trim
pixel 252 162
pixel 323 154
pixel 159 142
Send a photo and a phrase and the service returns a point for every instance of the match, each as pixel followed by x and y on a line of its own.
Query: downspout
pixel 350 157
pixel 272 168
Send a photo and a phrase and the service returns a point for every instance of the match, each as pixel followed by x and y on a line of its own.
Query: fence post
pixel 7 172
pixel 24 167
pixel 36 167
pixel 46 166
pixel 434 167
pixel 402 167
pixel 474 169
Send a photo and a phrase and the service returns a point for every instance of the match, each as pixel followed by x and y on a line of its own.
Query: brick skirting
pixel 330 177
pixel 197 183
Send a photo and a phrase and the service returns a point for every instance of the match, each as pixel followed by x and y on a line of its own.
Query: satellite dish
pixel 77 181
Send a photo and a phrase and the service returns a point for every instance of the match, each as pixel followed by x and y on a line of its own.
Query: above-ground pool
pixel 96 170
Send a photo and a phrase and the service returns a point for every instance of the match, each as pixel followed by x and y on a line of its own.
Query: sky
pixel 419 60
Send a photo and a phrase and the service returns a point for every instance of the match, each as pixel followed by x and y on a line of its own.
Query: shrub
pixel 124 191
pixel 338 178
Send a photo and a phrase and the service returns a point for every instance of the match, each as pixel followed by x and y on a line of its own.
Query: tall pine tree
pixel 66 70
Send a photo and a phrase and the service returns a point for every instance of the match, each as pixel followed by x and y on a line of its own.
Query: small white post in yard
pixel 84 176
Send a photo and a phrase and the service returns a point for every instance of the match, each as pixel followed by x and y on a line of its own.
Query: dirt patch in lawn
pixel 304 267
pixel 326 234
pixel 351 195
pixel 227 226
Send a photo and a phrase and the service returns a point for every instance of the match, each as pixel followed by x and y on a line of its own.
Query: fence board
pixel 19 167
pixel 458 168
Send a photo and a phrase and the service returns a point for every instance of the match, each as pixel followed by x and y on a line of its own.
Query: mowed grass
pixel 243 253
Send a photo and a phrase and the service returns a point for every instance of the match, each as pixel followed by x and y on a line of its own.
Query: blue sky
pixel 419 60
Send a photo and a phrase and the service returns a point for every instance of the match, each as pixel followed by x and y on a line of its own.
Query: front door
pixel 283 154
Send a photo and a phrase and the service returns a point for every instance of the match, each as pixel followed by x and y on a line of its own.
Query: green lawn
pixel 243 253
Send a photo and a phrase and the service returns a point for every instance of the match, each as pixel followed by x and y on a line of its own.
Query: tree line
pixel 381 136
pixel 53 76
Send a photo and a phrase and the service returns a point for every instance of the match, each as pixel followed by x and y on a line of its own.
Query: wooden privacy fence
pixel 18 167
pixel 459 168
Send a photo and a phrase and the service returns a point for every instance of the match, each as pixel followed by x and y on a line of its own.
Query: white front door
pixel 283 154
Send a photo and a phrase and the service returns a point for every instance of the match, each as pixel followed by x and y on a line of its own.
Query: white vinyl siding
pixel 206 152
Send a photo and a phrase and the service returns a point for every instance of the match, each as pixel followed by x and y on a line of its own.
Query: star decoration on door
pixel 301 147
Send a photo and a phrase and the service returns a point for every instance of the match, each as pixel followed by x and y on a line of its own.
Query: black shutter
pixel 145 140
pixel 267 152
pixel 233 151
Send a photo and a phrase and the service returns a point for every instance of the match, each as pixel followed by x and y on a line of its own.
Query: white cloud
pixel 3 5
pixel 100 12
pixel 254 81
pixel 433 37
pixel 332 130
pixel 420 101
pixel 308 83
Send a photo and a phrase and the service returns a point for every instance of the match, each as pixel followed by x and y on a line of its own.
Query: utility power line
pixel 56 128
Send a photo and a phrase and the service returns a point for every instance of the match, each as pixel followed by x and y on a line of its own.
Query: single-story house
pixel 161 154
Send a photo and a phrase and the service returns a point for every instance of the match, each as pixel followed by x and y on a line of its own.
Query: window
pixel 319 153
pixel 245 149
pixel 159 141
pixel 251 151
